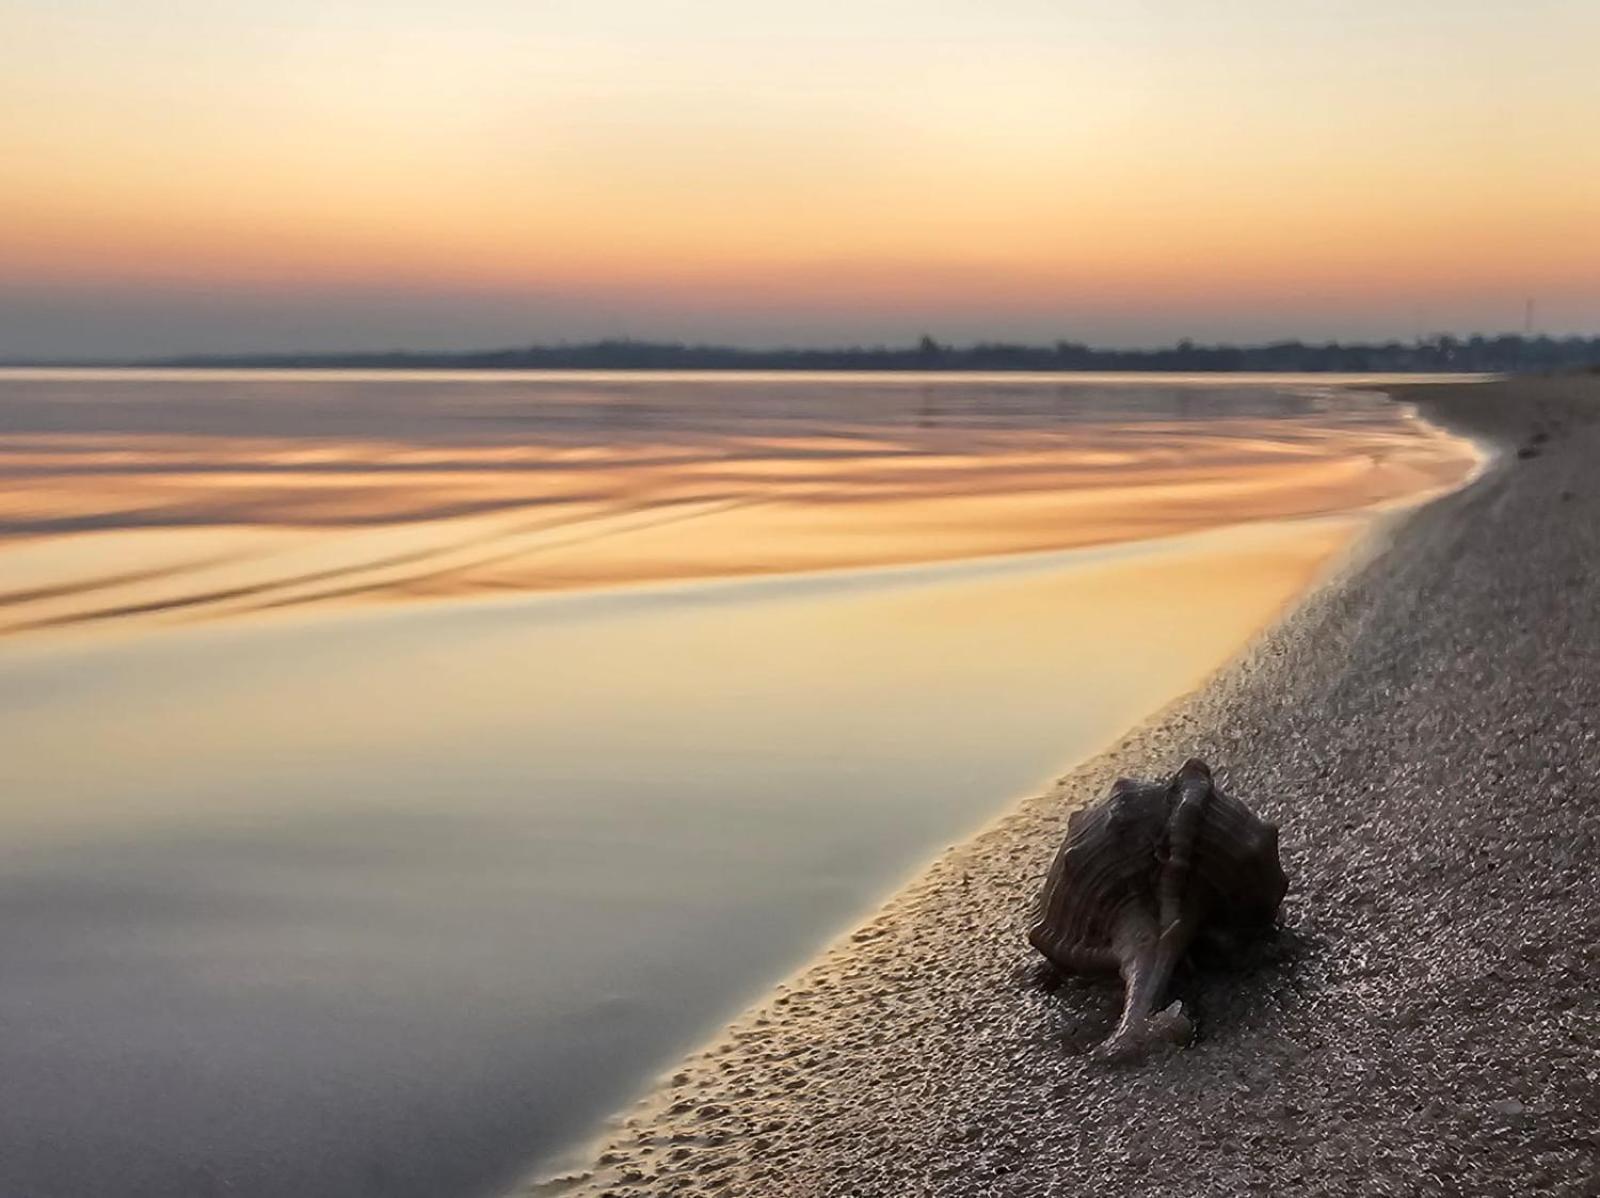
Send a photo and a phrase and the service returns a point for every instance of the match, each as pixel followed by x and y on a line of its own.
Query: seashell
pixel 1139 875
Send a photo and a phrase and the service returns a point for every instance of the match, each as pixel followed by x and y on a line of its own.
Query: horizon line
pixel 926 352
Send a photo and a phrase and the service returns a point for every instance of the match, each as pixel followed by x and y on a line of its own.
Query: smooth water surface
pixel 360 896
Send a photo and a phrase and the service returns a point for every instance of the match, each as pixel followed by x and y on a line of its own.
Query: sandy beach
pixel 1425 1019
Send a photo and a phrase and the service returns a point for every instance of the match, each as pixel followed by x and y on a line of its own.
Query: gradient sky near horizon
pixel 209 175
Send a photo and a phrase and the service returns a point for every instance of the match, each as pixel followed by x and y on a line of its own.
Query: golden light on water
pixel 563 485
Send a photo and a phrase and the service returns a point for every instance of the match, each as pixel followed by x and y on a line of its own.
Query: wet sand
pixel 1426 1021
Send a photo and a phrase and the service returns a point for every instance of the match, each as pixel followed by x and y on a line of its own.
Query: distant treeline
pixel 1507 353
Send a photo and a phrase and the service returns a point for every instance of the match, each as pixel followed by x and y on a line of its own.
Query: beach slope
pixel 1426 729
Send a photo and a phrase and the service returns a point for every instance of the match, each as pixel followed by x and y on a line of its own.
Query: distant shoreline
pixel 1492 354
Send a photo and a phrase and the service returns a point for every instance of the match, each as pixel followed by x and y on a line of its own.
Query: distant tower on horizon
pixel 1527 317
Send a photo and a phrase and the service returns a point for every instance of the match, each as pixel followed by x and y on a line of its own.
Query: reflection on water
pixel 148 496
pixel 402 903
pixel 405 899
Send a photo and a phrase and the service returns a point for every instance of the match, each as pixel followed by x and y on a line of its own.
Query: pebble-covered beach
pixel 1426 1018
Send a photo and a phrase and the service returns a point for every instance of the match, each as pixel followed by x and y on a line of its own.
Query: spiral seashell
pixel 1139 875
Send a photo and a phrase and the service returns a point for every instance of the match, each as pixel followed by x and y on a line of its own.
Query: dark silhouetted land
pixel 1492 354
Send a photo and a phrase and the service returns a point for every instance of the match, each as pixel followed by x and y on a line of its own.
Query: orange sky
pixel 222 176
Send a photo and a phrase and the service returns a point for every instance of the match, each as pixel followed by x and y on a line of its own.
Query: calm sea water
pixel 399 772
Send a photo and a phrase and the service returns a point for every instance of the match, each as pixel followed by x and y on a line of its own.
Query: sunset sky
pixel 207 175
